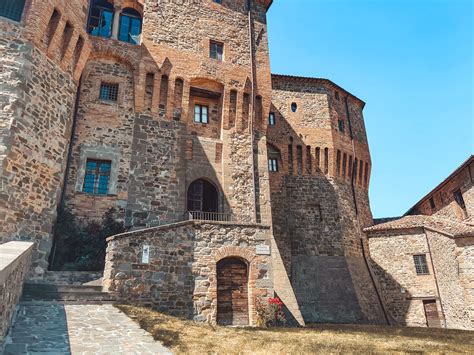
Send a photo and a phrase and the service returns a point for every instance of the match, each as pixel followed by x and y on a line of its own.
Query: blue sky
pixel 410 61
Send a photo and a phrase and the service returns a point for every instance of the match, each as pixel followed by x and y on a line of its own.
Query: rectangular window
pixel 108 92
pixel 217 50
pixel 201 114
pixel 12 9
pixel 273 165
pixel 271 119
pixel 420 264
pixel 341 126
pixel 96 180
pixel 432 203
pixel 459 199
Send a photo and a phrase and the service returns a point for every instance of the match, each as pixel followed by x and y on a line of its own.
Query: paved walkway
pixel 52 328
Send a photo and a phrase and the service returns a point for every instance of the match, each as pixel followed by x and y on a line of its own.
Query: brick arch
pixel 113 56
pixel 132 5
pixel 234 252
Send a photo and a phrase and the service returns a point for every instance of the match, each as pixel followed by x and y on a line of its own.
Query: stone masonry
pixel 171 127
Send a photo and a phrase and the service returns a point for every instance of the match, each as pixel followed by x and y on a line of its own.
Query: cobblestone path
pixel 53 328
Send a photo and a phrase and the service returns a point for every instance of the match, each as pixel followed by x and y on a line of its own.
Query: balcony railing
pixel 210 216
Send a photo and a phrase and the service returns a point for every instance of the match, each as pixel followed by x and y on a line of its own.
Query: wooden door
pixel 431 312
pixel 232 292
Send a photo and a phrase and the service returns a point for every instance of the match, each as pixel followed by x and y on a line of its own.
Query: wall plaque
pixel 263 249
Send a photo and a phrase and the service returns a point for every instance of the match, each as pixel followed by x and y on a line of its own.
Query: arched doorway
pixel 232 292
pixel 202 197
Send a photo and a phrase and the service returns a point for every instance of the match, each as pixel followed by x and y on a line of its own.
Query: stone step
pixel 67 277
pixel 82 297
pixel 29 288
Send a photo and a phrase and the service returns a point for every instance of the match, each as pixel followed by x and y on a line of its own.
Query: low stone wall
pixel 180 275
pixel 15 259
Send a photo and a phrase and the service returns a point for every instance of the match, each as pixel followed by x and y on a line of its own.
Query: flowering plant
pixel 270 312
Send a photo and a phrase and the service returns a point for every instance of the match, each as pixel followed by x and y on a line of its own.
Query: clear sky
pixel 410 61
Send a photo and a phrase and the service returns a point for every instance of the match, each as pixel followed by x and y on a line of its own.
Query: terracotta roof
pixel 318 80
pixel 445 226
pixel 452 175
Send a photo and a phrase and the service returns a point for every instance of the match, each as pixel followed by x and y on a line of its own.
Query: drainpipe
pixel 252 109
pixel 435 278
pixel 382 306
pixel 68 164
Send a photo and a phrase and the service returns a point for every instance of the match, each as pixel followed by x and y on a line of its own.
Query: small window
pixel 336 94
pixel 97 178
pixel 459 199
pixel 217 50
pixel 12 9
pixel 108 92
pixel 273 165
pixel 271 119
pixel 218 1
pixel 420 264
pixel 432 203
pixel 201 114
pixel 294 107
pixel 341 126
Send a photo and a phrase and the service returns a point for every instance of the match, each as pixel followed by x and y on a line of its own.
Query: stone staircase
pixel 68 287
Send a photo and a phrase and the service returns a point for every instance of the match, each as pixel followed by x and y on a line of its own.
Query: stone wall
pixel 403 290
pixel 14 266
pixel 180 278
pixel 442 197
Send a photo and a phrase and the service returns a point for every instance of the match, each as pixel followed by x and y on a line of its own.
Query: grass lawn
pixel 184 336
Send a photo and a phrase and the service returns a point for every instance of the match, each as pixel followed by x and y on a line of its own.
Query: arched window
pixel 12 9
pixel 202 197
pixel 101 18
pixel 130 26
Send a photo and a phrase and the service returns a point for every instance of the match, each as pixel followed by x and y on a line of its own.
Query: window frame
pixel 421 264
pixel 114 93
pixel 273 165
pixel 201 107
pixel 271 119
pixel 97 173
pixel 99 19
pixel 11 7
pixel 211 52
pixel 130 17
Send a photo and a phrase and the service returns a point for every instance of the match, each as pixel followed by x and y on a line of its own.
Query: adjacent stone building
pixel 424 261
pixel 236 184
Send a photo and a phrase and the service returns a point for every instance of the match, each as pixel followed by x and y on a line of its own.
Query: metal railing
pixel 210 216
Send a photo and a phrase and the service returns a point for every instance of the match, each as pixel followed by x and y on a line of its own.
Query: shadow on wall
pixel 318 236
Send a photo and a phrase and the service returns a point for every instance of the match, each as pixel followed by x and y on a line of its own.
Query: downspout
pixel 436 279
pixel 358 216
pixel 68 164
pixel 252 106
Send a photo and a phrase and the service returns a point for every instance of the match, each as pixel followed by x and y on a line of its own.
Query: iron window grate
pixel 109 92
pixel 12 9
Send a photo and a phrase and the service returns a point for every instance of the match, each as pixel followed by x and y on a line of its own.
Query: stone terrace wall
pixel 36 104
pixel 14 265
pixel 181 276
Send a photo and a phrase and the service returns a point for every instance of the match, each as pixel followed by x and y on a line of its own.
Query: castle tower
pixel 320 170
pixel 43 49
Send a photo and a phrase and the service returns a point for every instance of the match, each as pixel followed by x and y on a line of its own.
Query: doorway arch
pixel 232 292
pixel 202 197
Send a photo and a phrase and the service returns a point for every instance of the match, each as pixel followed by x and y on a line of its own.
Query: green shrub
pixel 81 244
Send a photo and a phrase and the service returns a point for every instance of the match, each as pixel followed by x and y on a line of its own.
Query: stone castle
pixel 236 183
